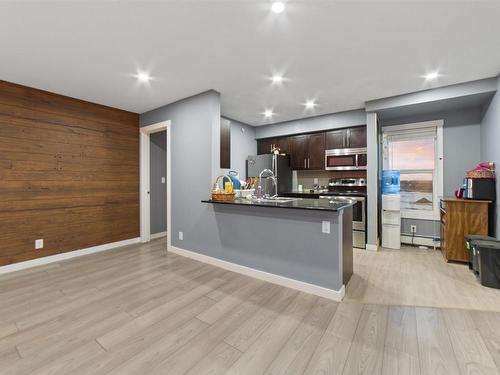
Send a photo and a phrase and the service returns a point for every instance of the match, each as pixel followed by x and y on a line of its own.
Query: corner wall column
pixel 372 181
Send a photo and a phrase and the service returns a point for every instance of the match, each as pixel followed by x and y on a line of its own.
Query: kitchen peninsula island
pixel 301 243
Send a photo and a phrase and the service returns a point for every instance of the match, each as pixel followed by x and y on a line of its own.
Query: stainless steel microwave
pixel 345 159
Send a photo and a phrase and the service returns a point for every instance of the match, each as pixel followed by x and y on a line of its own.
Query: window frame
pixel 438 175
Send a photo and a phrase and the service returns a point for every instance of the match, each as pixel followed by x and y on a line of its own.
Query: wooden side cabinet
pixel 460 217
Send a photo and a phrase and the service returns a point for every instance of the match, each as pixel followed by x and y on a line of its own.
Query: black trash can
pixel 489 263
pixel 469 239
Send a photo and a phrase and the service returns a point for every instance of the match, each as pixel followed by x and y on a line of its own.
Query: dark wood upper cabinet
pixel 283 143
pixel 264 146
pixel 316 147
pixel 298 151
pixel 346 138
pixel 225 144
pixel 336 139
pixel 356 137
pixel 307 151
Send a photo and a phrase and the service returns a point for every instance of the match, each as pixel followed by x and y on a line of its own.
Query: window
pixel 416 151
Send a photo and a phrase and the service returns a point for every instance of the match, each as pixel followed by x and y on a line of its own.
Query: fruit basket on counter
pixel 222 190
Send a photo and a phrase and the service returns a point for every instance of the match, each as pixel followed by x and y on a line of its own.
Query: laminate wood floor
pixel 417 277
pixel 139 310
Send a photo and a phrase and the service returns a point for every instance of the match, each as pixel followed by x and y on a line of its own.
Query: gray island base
pixel 289 243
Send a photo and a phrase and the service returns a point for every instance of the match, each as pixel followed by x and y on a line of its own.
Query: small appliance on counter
pixel 480 184
pixel 480 188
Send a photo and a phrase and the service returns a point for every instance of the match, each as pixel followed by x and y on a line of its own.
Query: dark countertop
pixel 299 203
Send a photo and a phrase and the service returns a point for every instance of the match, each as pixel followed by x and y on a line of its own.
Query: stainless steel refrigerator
pixel 279 164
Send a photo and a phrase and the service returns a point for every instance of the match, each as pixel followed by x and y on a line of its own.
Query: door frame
pixel 145 171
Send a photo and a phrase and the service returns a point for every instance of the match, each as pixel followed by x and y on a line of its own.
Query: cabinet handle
pixel 305 163
pixel 308 163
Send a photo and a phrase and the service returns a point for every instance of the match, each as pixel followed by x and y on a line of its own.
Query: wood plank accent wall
pixel 69 173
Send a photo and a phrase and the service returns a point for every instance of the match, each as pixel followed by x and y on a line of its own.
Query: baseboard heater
pixel 409 238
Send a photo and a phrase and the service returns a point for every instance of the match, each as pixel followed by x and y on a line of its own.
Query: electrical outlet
pixel 39 244
pixel 413 228
pixel 163 180
pixel 325 226
pixel 181 236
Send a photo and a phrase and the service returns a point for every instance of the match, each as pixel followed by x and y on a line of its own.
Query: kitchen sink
pixel 276 199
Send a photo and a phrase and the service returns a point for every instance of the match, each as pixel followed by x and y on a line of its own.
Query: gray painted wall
pixel 461 149
pixel 311 124
pixel 490 142
pixel 158 190
pixel 243 143
pixel 195 126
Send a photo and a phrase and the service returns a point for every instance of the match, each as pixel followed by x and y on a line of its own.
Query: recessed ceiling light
pixel 278 7
pixel 277 79
pixel 143 77
pixel 310 104
pixel 268 113
pixel 431 76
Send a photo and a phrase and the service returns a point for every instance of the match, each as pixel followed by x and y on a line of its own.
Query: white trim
pixel 145 204
pixel 440 167
pixel 336 295
pixel 158 235
pixel 418 240
pixel 438 171
pixel 414 125
pixel 68 255
pixel 145 187
pixel 371 247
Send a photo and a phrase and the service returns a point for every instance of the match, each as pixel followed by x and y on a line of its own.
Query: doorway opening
pixel 155 182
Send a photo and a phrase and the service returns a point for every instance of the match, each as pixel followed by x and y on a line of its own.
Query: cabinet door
pixel 264 145
pixel 225 144
pixel 356 137
pixel 298 151
pixel 284 144
pixel 316 146
pixel 336 139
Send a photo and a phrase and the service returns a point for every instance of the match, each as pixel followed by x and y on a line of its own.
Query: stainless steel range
pixel 353 189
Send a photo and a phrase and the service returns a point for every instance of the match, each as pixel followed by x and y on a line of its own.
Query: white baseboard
pixel 425 241
pixel 371 247
pixel 64 256
pixel 336 295
pixel 158 235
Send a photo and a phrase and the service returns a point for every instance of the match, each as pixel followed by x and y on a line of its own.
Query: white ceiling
pixel 340 52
